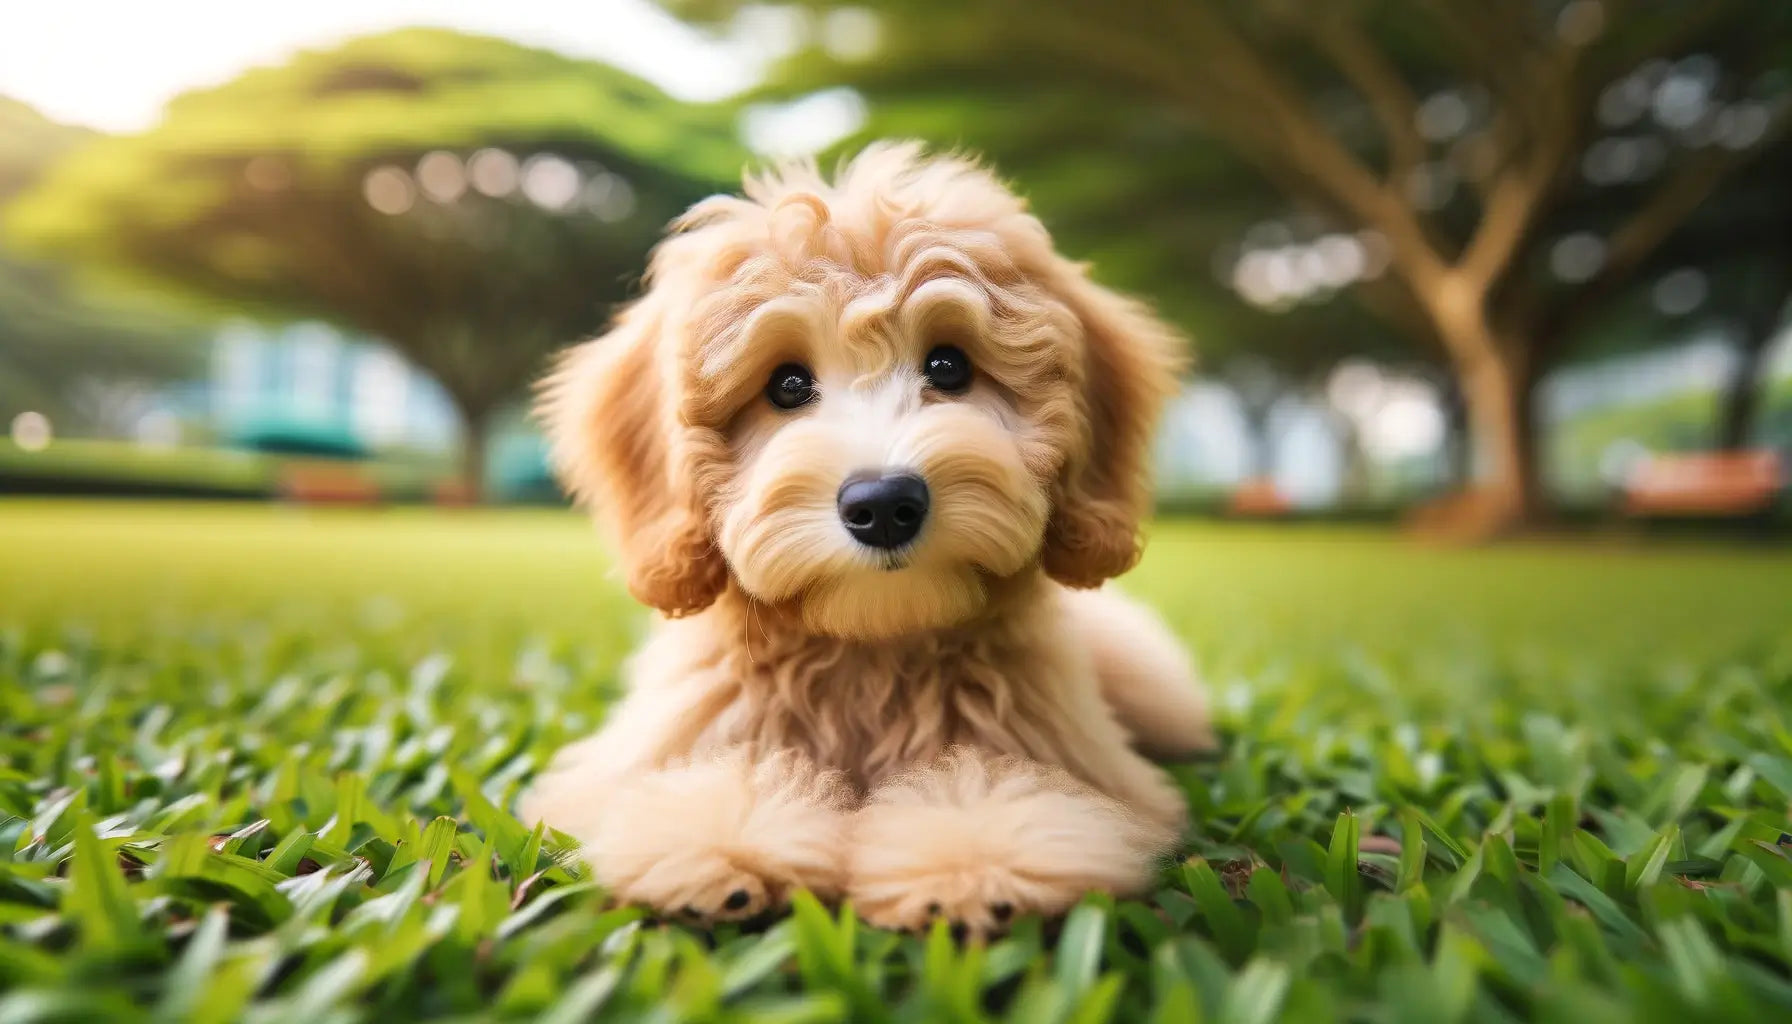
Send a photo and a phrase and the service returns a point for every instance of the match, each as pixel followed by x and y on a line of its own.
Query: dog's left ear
pixel 1130 365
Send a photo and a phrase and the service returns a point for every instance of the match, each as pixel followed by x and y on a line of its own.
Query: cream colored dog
pixel 868 445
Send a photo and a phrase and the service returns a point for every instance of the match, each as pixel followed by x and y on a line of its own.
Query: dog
pixel 872 448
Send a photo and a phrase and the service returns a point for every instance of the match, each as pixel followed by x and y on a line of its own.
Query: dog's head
pixel 866 401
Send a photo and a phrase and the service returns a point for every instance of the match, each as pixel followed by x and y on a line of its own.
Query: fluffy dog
pixel 869 446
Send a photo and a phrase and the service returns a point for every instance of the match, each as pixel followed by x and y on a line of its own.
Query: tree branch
pixel 1302 143
pixel 1519 194
pixel 1368 71
pixel 1513 202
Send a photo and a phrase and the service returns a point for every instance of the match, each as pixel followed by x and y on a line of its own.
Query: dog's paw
pixel 707 890
pixel 980 841
pixel 722 839
pixel 976 900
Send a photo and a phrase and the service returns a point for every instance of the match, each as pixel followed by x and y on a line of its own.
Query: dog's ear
pixel 1131 361
pixel 618 446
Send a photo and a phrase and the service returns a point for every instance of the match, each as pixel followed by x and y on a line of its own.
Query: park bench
pixel 1704 485
pixel 327 482
pixel 1259 498
pixel 453 491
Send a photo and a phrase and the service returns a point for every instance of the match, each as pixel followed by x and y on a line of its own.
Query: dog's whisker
pixel 746 634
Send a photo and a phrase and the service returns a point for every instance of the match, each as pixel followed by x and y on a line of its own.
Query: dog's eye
pixel 949 369
pixel 791 385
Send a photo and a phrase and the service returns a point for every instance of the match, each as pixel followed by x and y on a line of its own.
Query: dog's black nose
pixel 884 511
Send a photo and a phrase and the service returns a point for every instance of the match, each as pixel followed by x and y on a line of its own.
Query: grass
pixel 254 764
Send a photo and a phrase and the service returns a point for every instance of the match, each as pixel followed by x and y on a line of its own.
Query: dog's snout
pixel 884 511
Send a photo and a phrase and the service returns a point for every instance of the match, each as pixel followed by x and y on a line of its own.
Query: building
pixel 309 388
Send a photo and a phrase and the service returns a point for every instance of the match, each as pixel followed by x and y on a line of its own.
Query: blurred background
pixel 1467 267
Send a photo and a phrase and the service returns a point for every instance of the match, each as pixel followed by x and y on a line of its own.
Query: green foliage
pixel 330 112
pixel 30 141
pixel 250 196
pixel 54 335
pixel 255 764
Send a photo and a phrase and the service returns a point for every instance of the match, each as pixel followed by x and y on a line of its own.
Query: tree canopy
pixel 473 202
pixel 29 142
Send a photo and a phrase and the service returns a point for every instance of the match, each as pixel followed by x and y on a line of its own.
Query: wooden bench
pixel 1259 498
pixel 1705 485
pixel 454 492
pixel 327 482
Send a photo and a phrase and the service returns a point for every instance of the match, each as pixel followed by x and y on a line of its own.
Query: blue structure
pixel 307 388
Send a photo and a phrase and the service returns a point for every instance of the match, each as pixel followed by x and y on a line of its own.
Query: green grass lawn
pixel 254 763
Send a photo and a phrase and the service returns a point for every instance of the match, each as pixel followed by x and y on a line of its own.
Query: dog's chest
pixel 871 711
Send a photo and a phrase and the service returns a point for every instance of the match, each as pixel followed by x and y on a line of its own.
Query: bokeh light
pixel 31 431
pixel 494 172
pixel 441 176
pixel 1577 257
pixel 389 190
pixel 550 182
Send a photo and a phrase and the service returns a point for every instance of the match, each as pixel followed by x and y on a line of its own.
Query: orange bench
pixel 454 491
pixel 1259 498
pixel 324 482
pixel 1705 484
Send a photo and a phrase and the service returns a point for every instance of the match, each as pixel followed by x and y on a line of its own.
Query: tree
pixel 1738 252
pixel 1729 268
pixel 1457 132
pixel 1765 286
pixel 54 336
pixel 473 202
pixel 29 142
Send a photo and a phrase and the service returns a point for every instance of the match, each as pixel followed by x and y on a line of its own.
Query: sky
pixel 112 64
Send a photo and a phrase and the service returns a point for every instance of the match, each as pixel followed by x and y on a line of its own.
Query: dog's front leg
pixel 978 839
pixel 716 837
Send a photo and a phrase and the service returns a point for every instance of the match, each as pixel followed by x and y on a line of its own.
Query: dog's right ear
pixel 617 445
pixel 1131 364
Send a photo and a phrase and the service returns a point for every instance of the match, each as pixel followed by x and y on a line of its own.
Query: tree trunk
pixel 1766 291
pixel 1458 447
pixel 1259 440
pixel 1497 391
pixel 1263 448
pixel 475 421
pixel 1742 396
pixel 1356 486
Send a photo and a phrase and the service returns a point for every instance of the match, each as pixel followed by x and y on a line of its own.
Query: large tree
pixel 473 202
pixel 1465 135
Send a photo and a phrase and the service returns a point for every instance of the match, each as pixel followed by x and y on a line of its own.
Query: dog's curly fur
pixel 954 729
